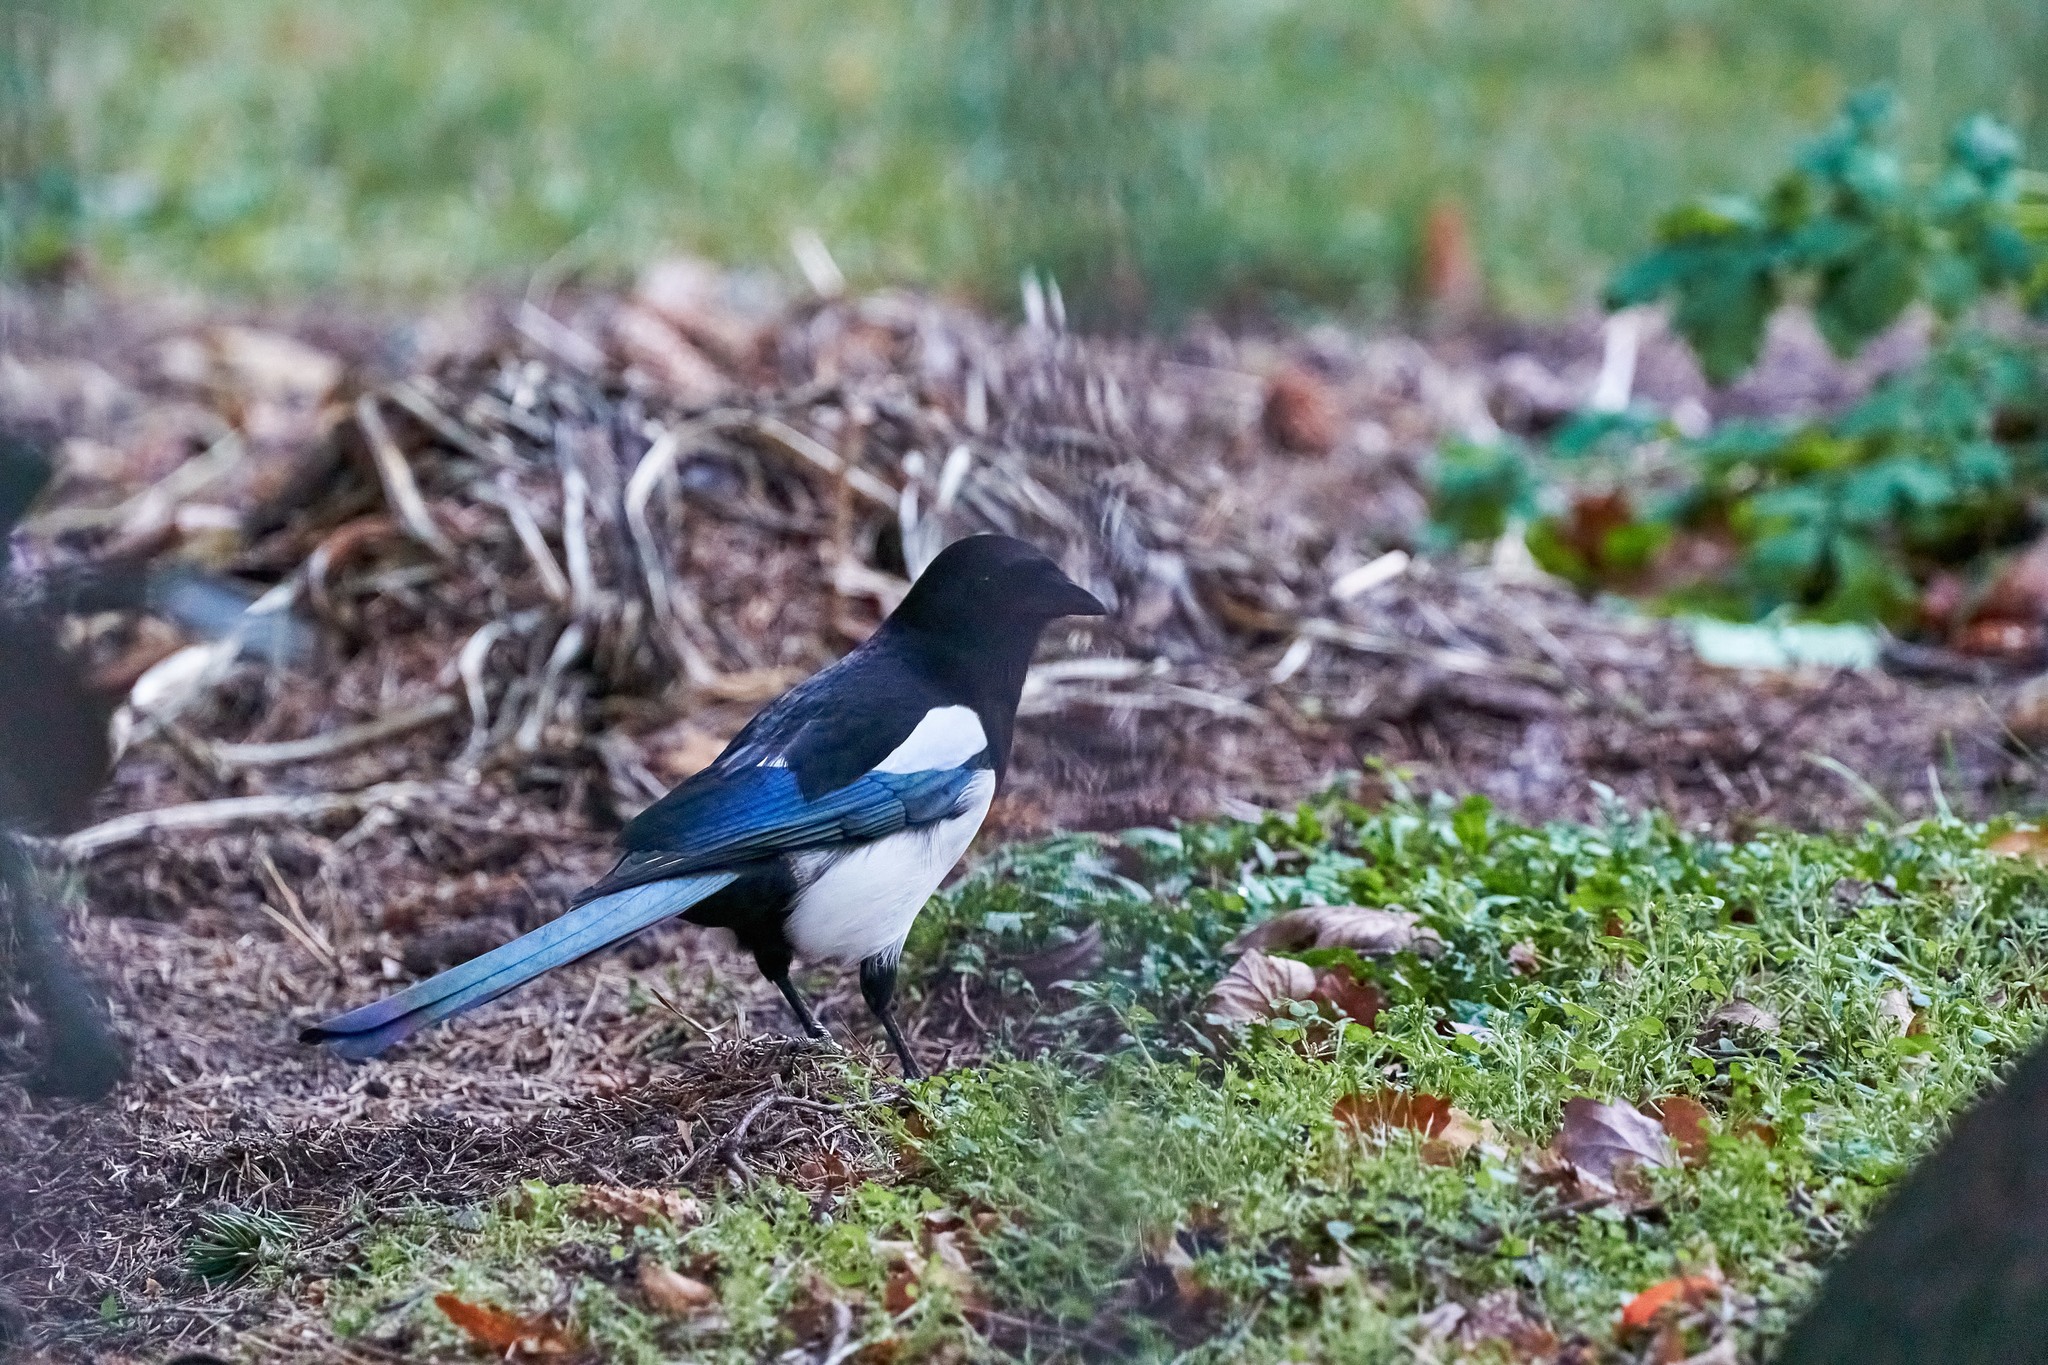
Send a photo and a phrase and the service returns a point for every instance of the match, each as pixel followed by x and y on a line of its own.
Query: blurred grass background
pixel 1155 155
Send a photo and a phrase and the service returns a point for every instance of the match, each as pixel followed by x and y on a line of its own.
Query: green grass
pixel 1155 156
pixel 1101 1148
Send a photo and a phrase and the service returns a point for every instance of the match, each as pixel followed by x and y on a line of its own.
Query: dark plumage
pixel 54 753
pixel 1955 1267
pixel 828 821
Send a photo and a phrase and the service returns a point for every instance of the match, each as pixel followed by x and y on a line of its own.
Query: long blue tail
pixel 607 920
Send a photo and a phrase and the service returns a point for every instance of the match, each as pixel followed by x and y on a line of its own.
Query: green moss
pixel 1640 932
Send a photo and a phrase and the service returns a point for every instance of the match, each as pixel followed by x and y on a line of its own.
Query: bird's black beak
pixel 1075 600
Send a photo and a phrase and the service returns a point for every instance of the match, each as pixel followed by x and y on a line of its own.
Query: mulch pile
pixel 558 549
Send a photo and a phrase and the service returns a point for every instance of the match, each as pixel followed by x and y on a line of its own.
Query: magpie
pixel 827 823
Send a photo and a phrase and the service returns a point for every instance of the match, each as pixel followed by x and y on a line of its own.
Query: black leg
pixel 773 959
pixel 878 984
pixel 812 1028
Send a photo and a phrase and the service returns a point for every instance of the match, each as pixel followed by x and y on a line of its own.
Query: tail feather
pixel 367 1031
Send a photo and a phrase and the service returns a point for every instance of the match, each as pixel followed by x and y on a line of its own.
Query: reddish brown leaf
pixel 1301 414
pixel 1449 1131
pixel 1348 996
pixel 1368 932
pixel 1684 1120
pixel 1524 958
pixel 900 1290
pixel 505 1333
pixel 1685 1290
pixel 1605 1140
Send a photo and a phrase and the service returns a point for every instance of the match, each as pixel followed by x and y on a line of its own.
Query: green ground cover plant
pixel 1938 472
pixel 1180 1192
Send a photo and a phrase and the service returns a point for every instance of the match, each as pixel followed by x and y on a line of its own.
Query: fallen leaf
pixel 1746 1014
pixel 673 1292
pixel 1605 1140
pixel 1328 1277
pixel 1500 1318
pixel 505 1333
pixel 1170 1290
pixel 1371 933
pixel 1897 1006
pixel 1448 1131
pixel 1301 415
pixel 1348 996
pixel 638 1207
pixel 1524 958
pixel 826 1169
pixel 1645 1308
pixel 1253 984
pixel 1684 1120
pixel 2025 842
pixel 1074 960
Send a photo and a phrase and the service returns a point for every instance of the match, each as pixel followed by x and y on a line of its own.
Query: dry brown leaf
pixel 2027 841
pixel 1606 1140
pixel 1448 1131
pixel 1348 996
pixel 1253 984
pixel 1740 1013
pixel 637 1207
pixel 1301 414
pixel 1074 960
pixel 1684 1120
pixel 505 1333
pixel 1897 1006
pixel 1368 932
pixel 672 1292
pixel 1500 1318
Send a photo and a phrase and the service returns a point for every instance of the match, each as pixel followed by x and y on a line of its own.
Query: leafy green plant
pixel 1854 230
pixel 1939 470
pixel 231 1242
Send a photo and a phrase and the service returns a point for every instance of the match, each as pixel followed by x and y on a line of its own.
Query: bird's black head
pixel 992 585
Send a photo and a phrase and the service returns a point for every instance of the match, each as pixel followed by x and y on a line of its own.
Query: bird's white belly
pixel 856 904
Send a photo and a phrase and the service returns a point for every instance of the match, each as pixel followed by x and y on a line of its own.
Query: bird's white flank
pixel 946 738
pixel 857 902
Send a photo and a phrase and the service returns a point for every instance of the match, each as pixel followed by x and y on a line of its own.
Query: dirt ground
pixel 558 549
